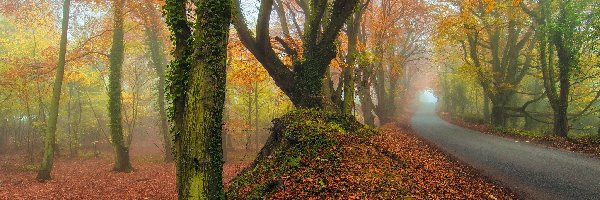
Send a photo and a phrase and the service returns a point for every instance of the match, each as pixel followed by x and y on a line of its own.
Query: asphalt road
pixel 534 171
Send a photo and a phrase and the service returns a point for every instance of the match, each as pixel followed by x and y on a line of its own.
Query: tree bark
pixel 563 39
pixel 159 61
pixel 50 137
pixel 486 107
pixel 567 59
pixel 353 26
pixel 122 162
pixel 175 13
pixel 256 115
pixel 198 146
pixel 364 76
pixel 498 116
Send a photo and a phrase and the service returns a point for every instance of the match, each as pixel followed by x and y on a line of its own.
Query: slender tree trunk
pixel 199 146
pixel 79 117
pixel 159 62
pixel 330 97
pixel 561 122
pixel 29 136
pixel 391 99
pixel 256 115
pixel 70 119
pixel 50 137
pixel 19 135
pixel 381 92
pixel 353 25
pixel 122 163
pixel 249 110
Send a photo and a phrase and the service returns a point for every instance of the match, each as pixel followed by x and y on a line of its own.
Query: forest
pixel 299 99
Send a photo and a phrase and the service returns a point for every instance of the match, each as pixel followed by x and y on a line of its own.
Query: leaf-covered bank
pixel 319 154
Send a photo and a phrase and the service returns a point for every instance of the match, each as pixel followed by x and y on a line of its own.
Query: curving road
pixel 534 171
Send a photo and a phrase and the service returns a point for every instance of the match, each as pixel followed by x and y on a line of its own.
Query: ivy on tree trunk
pixel 122 162
pixel 197 90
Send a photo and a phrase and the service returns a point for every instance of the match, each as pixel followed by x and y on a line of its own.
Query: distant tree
pixel 353 25
pixel 151 21
pixel 197 89
pixel 117 51
pixel 50 137
pixel 561 27
pixel 396 31
pixel 497 45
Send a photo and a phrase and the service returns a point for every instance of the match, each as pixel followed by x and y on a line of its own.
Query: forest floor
pixel 92 178
pixel 585 145
pixel 427 174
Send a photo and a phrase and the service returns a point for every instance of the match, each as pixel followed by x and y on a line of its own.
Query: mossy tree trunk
pixel 352 30
pixel 364 93
pixel 567 49
pixel 303 81
pixel 122 163
pixel 198 148
pixel 557 33
pixel 364 77
pixel 159 61
pixel 50 137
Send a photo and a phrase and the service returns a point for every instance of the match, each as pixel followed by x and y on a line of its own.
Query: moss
pixel 309 149
pixel 196 187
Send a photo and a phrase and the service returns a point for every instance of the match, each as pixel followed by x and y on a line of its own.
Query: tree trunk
pixel 50 137
pixel 256 115
pixel 498 115
pixel 500 101
pixel 122 163
pixel 304 84
pixel 353 25
pixel 29 136
pixel 486 107
pixel 159 62
pixel 310 78
pixel 70 120
pixel 199 146
pixel 385 97
pixel 366 104
pixel 364 94
pixel 567 52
